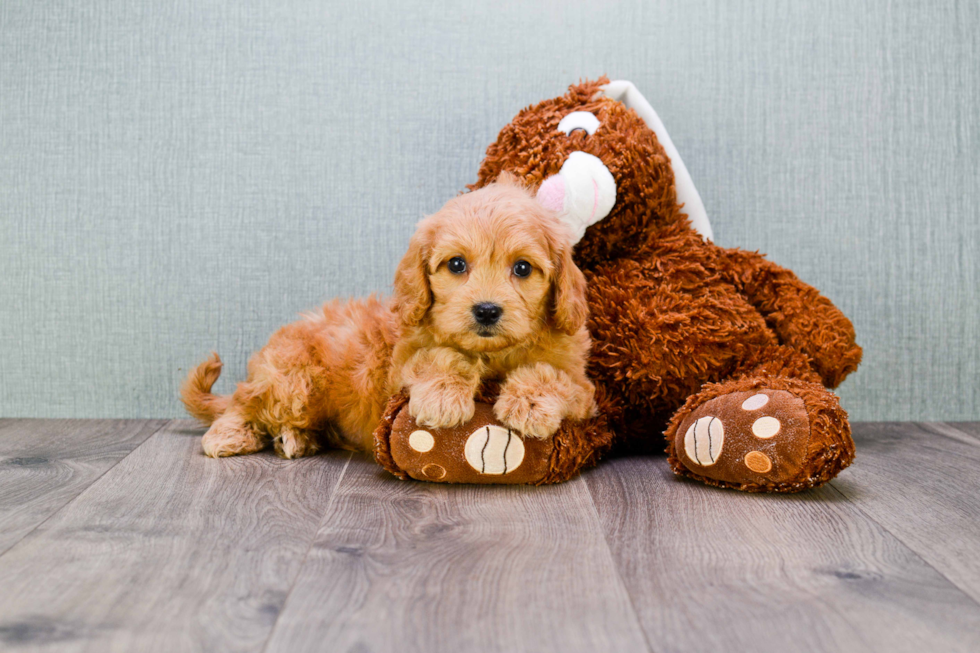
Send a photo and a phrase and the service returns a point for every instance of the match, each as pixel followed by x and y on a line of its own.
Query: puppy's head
pixel 490 270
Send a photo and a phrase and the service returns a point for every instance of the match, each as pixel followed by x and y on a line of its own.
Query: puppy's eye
pixel 584 120
pixel 522 269
pixel 457 265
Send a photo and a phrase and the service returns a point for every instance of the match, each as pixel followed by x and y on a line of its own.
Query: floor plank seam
pixel 904 544
pixel 86 489
pixel 306 554
pixel 619 576
pixel 972 437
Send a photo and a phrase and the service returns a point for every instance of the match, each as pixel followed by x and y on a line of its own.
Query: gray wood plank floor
pixel 44 464
pixel 427 567
pixel 122 536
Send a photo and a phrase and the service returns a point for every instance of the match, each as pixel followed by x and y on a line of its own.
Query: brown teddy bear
pixel 725 353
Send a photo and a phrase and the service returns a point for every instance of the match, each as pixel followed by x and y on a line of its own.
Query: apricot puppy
pixel 487 290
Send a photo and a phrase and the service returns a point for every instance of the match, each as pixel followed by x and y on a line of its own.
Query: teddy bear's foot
pixel 483 450
pixel 480 450
pixel 764 435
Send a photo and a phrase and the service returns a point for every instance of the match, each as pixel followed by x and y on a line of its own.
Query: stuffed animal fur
pixel 727 355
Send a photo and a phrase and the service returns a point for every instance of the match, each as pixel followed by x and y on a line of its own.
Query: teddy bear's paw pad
pixel 759 436
pixel 480 451
pixel 704 440
pixel 494 450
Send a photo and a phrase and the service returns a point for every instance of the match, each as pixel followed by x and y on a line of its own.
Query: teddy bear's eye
pixel 584 120
pixel 457 265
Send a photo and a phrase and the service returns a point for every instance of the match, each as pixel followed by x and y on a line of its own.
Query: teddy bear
pixel 719 355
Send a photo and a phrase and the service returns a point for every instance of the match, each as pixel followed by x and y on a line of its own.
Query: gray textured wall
pixel 182 177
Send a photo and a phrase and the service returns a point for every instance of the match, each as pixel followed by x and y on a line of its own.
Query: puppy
pixel 487 290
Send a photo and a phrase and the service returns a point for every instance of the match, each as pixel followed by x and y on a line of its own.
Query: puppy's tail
pixel 195 392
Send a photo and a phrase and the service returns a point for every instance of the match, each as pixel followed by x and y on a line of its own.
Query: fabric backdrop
pixel 181 177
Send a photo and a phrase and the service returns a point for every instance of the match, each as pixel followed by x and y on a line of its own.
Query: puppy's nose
pixel 486 313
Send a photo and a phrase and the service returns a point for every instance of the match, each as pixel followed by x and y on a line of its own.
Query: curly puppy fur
pixel 324 380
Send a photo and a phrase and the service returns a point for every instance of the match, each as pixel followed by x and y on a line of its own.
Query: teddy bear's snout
pixel 582 193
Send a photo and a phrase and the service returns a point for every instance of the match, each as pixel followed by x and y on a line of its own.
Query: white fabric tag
pixel 627 93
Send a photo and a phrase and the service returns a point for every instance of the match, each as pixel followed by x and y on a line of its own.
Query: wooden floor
pixel 122 536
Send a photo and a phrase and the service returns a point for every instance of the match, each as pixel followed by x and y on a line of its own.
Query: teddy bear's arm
pixel 799 315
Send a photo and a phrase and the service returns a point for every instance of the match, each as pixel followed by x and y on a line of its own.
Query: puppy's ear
pixel 570 307
pixel 413 296
pixel 508 178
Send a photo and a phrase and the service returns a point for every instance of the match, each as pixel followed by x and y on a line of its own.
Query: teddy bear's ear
pixel 585 90
pixel 627 93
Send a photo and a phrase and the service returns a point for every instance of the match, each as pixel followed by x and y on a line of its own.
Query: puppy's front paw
pixel 534 415
pixel 441 405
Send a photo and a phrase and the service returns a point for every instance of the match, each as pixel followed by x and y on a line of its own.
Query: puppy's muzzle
pixel 487 314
